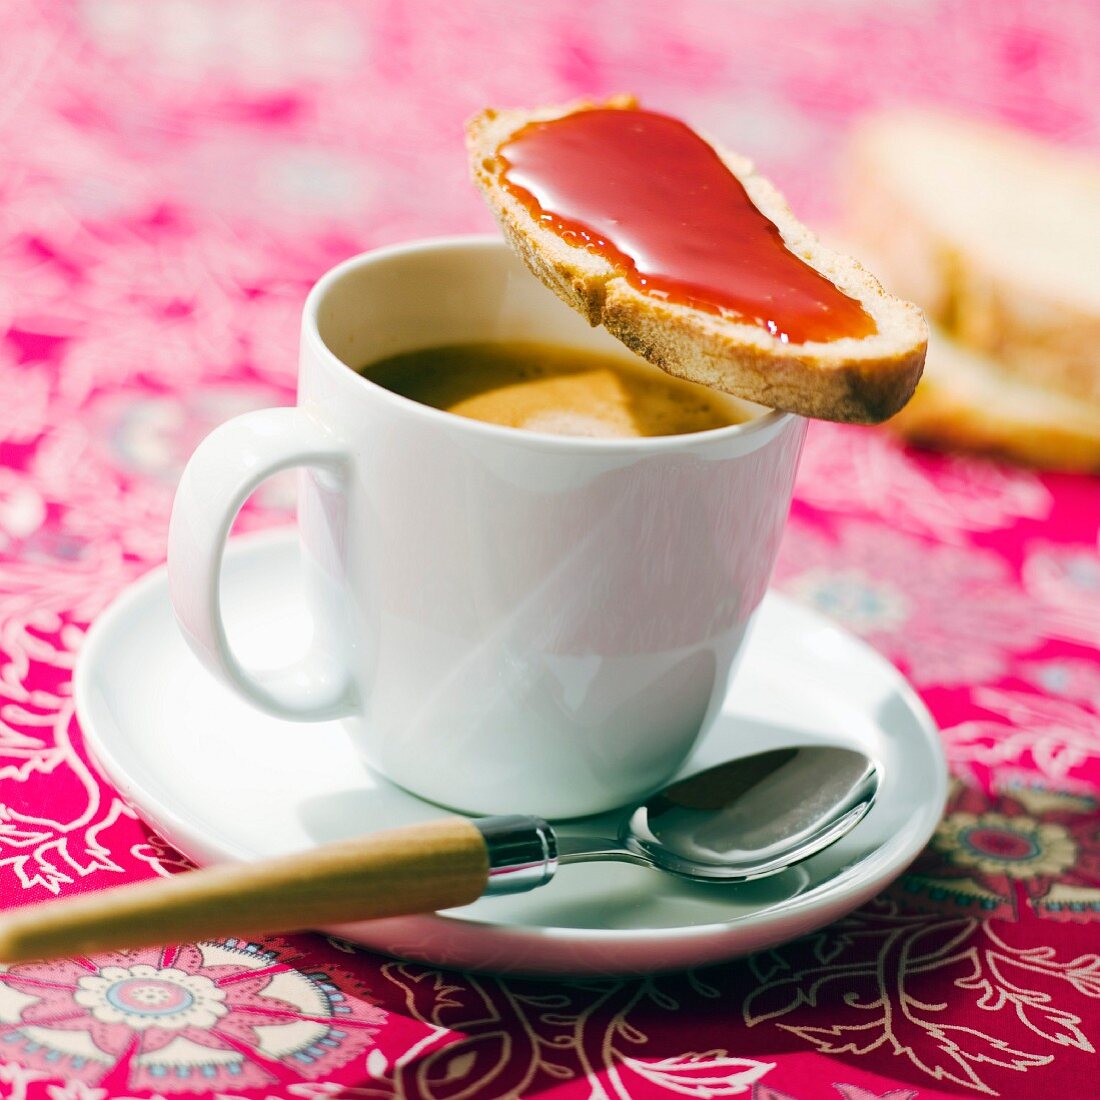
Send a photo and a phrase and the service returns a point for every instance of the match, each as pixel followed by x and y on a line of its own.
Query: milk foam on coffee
pixel 558 390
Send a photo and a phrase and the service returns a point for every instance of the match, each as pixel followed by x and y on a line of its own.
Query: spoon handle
pixel 413 869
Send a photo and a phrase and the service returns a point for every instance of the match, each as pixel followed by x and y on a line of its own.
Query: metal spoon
pixel 744 819
pixel 740 820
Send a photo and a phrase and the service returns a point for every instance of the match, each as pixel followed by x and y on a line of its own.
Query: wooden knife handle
pixel 413 869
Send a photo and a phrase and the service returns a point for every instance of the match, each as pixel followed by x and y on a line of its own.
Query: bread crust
pixel 968 402
pixel 854 380
pixel 940 418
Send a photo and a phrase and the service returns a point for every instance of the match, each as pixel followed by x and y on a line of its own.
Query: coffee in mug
pixel 555 389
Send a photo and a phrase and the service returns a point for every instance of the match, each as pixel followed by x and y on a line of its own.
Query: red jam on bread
pixel 649 195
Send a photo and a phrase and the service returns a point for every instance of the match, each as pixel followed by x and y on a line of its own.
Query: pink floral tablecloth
pixel 173 176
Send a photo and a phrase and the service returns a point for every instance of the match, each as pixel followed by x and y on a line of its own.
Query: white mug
pixel 505 621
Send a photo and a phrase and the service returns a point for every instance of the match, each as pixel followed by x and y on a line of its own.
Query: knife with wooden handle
pixel 413 869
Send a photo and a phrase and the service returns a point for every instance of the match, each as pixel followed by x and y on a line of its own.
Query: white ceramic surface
pixel 221 781
pixel 500 615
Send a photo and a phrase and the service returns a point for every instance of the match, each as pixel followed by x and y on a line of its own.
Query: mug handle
pixel 227 467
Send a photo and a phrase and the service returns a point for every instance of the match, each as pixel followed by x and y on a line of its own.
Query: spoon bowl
pixel 743 819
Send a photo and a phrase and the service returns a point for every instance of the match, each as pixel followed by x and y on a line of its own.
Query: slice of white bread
pixel 996 234
pixel 857 380
pixel 968 402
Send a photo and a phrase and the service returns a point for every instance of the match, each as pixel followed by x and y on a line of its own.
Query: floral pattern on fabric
pixel 1031 845
pixel 951 998
pixel 945 498
pixel 210 1016
pixel 945 614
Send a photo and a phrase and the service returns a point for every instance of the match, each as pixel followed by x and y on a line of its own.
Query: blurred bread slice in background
pixel 968 402
pixel 996 234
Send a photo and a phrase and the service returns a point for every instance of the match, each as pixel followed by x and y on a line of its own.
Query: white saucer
pixel 221 781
